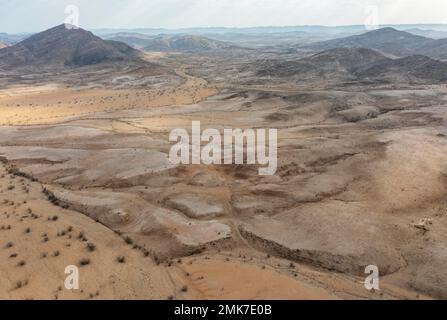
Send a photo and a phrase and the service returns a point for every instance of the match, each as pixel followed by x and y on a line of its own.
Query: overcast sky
pixel 38 15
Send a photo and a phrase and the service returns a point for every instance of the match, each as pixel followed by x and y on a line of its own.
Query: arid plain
pixel 361 179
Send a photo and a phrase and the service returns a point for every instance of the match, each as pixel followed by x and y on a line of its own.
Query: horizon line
pixel 234 27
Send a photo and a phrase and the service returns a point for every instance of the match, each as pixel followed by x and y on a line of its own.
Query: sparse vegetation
pixel 349 118
pixel 84 262
pixel 21 263
pixel 20 284
pixel 82 237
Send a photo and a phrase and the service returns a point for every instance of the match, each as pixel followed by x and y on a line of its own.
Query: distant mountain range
pixel 62 47
pixel 135 40
pixel 312 29
pixel 10 39
pixel 434 34
pixel 436 31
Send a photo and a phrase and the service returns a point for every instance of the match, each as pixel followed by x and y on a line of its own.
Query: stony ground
pixel 361 181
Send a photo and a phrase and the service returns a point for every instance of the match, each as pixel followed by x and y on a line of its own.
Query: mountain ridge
pixel 386 40
pixel 64 47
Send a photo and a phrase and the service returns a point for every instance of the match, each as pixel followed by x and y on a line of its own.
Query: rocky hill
pixel 63 47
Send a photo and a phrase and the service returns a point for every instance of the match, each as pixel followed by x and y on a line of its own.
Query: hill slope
pixel 334 63
pixel 184 43
pixel 436 49
pixel 386 40
pixel 353 64
pixel 347 58
pixel 61 47
pixel 412 68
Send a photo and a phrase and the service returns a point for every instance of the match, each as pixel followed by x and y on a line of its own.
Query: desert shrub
pixel 82 237
pixel 21 263
pixel 84 262
pixel 91 247
pixel 21 284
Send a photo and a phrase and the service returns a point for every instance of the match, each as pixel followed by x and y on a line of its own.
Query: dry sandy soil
pixel 39 240
pixel 361 181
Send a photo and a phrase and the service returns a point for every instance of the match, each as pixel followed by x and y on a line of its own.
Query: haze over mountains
pixel 389 41
pixel 425 29
pixel 10 39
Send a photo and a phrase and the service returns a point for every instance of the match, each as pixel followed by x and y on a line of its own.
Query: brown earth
pixel 360 181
